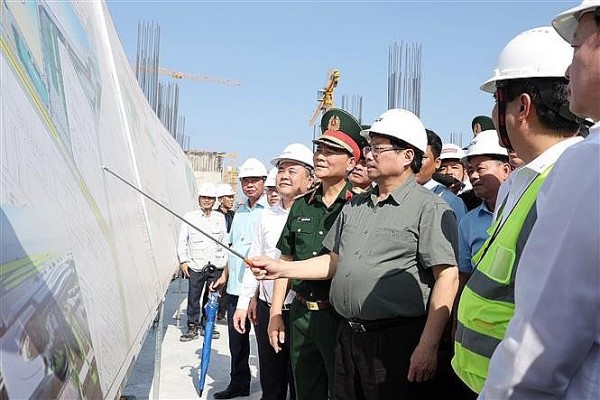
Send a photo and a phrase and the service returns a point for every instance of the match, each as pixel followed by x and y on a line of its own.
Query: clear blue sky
pixel 281 51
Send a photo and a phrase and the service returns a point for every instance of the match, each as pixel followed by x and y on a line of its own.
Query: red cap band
pixel 347 140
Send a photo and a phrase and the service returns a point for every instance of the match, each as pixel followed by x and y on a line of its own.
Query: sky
pixel 281 51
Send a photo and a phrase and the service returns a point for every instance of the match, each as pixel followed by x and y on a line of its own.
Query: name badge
pixel 304 219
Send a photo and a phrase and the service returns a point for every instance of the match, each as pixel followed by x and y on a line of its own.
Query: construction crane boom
pixel 185 75
pixel 198 77
pixel 326 95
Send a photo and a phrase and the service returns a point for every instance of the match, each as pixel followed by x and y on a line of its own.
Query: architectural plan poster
pixel 85 260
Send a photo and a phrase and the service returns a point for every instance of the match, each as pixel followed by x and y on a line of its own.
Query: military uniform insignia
pixel 334 123
pixel 349 195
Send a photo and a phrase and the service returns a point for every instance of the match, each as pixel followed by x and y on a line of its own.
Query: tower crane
pixel 186 75
pixel 326 95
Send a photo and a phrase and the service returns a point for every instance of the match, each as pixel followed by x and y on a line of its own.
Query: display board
pixel 85 260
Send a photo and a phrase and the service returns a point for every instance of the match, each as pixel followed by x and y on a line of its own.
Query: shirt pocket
pixel 305 243
pixel 387 244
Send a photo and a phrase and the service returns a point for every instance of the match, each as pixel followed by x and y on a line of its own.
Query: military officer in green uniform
pixel 314 323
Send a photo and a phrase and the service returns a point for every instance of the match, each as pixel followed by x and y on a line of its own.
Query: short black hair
pixel 597 17
pixel 485 122
pixel 549 96
pixel 417 161
pixel 435 142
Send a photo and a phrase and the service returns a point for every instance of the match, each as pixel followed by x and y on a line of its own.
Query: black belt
pixel 313 305
pixel 363 326
pixel 286 307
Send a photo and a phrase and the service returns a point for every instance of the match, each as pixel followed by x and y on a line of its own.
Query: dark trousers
pixel 239 347
pixel 275 368
pixel 374 365
pixel 313 351
pixel 197 282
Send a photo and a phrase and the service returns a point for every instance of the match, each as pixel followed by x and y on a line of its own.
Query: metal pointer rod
pixel 235 253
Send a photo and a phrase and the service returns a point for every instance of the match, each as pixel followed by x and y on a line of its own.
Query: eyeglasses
pixel 377 150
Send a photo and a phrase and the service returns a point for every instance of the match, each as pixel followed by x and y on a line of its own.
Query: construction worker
pixel 197 253
pixel 487 167
pixel 392 259
pixel 431 163
pixel 481 123
pixel 314 322
pixel 451 164
pixel 552 345
pixel 295 171
pixel 252 175
pixel 225 194
pixel 271 187
pixel 532 117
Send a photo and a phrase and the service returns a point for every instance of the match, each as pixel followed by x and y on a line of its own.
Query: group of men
pixel 392 266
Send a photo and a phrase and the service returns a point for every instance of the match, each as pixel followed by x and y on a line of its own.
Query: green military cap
pixel 341 130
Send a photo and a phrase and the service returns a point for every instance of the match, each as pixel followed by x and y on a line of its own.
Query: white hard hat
pixel 295 152
pixel 485 143
pixel 271 178
pixel 566 22
pixel 401 124
pixel 224 189
pixel 252 167
pixel 535 53
pixel 207 190
pixel 451 151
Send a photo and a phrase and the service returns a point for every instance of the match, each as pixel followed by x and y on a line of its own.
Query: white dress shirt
pixel 519 180
pixel 195 248
pixel 268 231
pixel 552 346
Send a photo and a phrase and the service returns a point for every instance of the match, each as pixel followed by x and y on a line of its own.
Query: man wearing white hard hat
pixel 294 167
pixel 271 187
pixel 226 194
pixel 451 164
pixel 393 262
pixel 487 167
pixel 196 253
pixel 552 345
pixel 532 117
pixel 252 174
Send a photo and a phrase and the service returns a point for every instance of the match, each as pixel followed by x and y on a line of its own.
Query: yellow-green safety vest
pixel 487 302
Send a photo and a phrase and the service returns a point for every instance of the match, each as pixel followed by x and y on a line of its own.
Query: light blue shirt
pixel 472 234
pixel 241 235
pixel 456 203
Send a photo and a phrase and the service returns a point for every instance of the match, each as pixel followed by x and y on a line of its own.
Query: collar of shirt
pixel 262 203
pixel 483 209
pixel 398 194
pixel 549 157
pixel 277 208
pixel 430 184
pixel 317 195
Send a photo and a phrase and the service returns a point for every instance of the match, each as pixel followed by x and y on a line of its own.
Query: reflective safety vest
pixel 487 302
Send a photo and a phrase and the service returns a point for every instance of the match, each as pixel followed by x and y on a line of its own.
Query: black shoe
pixel 230 393
pixel 215 334
pixel 191 334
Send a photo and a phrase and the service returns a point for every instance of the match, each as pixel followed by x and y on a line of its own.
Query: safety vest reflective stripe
pixel 488 288
pixel 476 342
pixel 487 302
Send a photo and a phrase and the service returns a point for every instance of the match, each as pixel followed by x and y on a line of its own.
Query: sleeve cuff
pixel 243 302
